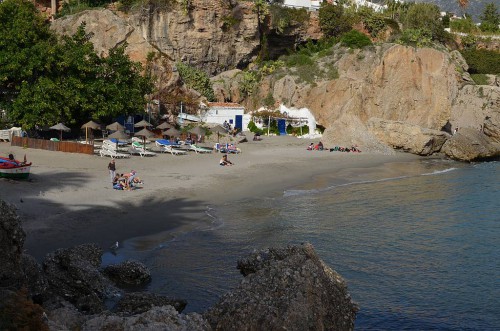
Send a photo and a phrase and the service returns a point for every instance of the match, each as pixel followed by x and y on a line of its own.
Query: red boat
pixel 14 169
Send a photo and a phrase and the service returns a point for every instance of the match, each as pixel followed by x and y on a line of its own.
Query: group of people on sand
pixel 319 147
pixel 126 181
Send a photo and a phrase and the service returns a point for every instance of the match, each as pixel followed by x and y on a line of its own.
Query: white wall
pixel 302 112
pixel 218 115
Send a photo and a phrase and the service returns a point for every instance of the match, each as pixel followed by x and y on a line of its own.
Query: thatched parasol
pixel 142 124
pixel 115 127
pixel 92 125
pixel 165 125
pixel 118 135
pixel 172 132
pixel 219 129
pixel 61 127
pixel 144 133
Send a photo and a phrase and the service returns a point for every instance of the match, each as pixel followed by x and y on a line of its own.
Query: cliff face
pixel 212 35
pixel 385 97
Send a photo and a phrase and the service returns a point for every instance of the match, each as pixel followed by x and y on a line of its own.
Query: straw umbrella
pixel 198 130
pixel 115 127
pixel 92 125
pixel 144 133
pixel 165 125
pixel 219 129
pixel 172 132
pixel 61 127
pixel 118 135
pixel 142 124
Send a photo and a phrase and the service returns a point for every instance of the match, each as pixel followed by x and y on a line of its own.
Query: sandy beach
pixel 69 199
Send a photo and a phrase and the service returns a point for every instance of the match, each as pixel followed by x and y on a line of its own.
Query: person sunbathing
pixel 224 161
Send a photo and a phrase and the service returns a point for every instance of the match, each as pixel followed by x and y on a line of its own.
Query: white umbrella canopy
pixel 115 127
pixel 61 127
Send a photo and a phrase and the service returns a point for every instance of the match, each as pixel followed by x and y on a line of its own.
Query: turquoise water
pixel 419 250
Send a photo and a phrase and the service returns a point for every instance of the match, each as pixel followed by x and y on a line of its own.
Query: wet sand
pixel 69 199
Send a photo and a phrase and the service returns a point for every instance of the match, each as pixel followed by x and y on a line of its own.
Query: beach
pixel 69 200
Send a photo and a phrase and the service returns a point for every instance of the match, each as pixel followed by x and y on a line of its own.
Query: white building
pixel 220 112
pixel 303 114
pixel 315 5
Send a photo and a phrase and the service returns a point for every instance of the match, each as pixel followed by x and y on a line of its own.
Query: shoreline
pixel 69 199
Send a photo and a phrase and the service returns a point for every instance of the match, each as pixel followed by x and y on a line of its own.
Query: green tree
pixel 425 16
pixel 490 19
pixel 197 80
pixel 332 20
pixel 26 44
pixel 77 85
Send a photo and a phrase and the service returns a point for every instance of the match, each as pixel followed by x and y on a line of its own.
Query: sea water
pixel 418 243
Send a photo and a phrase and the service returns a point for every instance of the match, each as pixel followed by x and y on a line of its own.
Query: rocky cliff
pixel 384 97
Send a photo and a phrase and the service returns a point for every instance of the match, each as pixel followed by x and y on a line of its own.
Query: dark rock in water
pixel 285 289
pixel 137 303
pixel 11 247
pixel 128 273
pixel 73 275
pixel 472 145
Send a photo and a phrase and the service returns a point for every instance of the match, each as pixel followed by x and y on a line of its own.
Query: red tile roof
pixel 225 104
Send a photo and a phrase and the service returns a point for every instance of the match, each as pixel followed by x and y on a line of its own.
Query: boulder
pixel 11 247
pixel 128 273
pixel 34 278
pixel 471 145
pixel 410 138
pixel 285 289
pixel 140 302
pixel 73 274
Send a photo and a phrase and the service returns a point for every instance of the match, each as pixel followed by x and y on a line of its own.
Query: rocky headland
pixel 383 97
pixel 282 288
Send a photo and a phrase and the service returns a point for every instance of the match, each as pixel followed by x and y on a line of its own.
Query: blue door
pixel 239 123
pixel 282 127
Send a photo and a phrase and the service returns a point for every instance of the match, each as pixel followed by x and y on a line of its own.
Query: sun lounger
pixel 105 151
pixel 165 142
pixel 172 150
pixel 200 150
pixel 140 151
pixel 119 142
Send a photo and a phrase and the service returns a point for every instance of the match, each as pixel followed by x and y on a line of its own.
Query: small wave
pixel 289 193
pixel 438 172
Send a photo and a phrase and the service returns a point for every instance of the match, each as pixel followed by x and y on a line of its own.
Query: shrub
pixel 416 37
pixel 465 25
pixel 197 80
pixel 332 20
pixel 355 39
pixel 482 61
pixel 295 60
pixel 480 79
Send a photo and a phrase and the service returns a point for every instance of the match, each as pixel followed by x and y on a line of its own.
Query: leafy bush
pixel 197 80
pixel 253 128
pixel 332 20
pixel 248 83
pixel 308 73
pixel 480 79
pixel 416 37
pixel 269 100
pixel 374 22
pixel 286 17
pixel 355 39
pixel 299 59
pixel 465 25
pixel 20 313
pixel 482 61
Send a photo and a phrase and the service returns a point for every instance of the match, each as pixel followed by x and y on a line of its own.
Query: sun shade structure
pixel 61 127
pixel 90 125
pixel 118 135
pixel 144 133
pixel 219 129
pixel 173 132
pixel 165 125
pixel 142 124
pixel 115 127
pixel 198 130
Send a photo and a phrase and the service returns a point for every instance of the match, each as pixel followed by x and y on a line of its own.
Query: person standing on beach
pixel 112 169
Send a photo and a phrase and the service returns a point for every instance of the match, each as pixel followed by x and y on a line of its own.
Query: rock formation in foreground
pixel 283 288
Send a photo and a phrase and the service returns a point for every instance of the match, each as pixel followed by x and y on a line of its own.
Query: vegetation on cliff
pixel 44 80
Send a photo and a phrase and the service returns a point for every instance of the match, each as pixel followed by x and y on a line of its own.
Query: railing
pixel 58 146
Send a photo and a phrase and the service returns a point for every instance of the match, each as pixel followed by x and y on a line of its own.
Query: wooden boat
pixel 14 169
